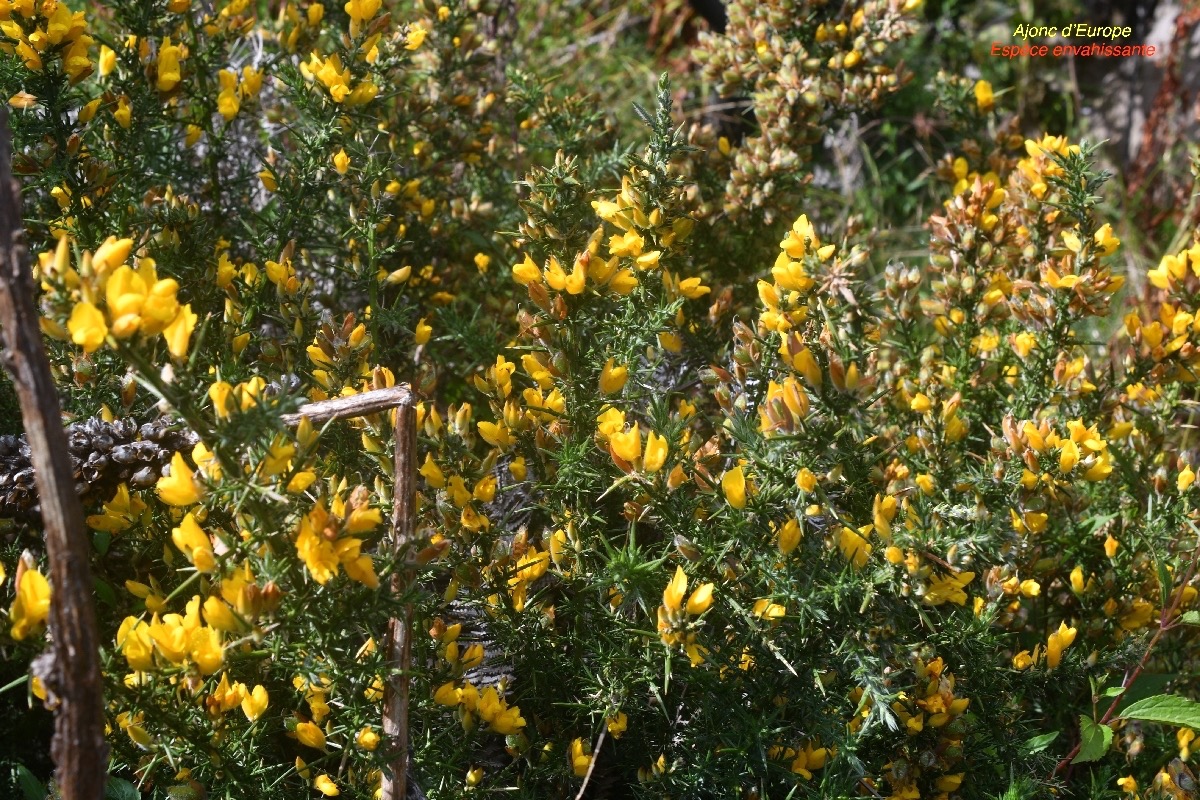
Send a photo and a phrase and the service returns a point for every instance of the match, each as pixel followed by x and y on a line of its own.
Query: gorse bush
pixel 716 498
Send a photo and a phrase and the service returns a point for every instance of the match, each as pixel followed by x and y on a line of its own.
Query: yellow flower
pixel 1022 660
pixel 415 36
pixel 656 453
pixel 1128 784
pixel 422 332
pixel 984 99
pixel 806 481
pixel 251 81
pixel 807 366
pixel 581 759
pixel 255 703
pixel 496 434
pixel 1186 478
pixel 87 327
pixel 701 599
pixel 1077 582
pixel 1059 641
pixel 673 594
pixel 1184 738
pixel 168 66
pixel 447 694
pixel 133 638
pixel 1171 269
pixel 219 615
pixel 1068 456
pixel 1110 546
pixel 765 609
pixel 789 536
pixel 367 738
pixel 219 393
pixel 341 161
pixel 1023 344
pixel 617 725
pixel 179 333
pixel 179 488
pixel 310 735
pixel 495 711
pixel 854 547
pixel 1106 243
pixel 325 785
pixel 612 378
pixel 123 113
pixel 194 543
pixel 733 484
pixel 526 272
pixel 627 445
pixel 107 61
pixel 229 100
pixel 361 11
pixel 921 403
pixel 31 606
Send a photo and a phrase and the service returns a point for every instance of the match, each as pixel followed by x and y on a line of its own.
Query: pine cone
pixel 103 456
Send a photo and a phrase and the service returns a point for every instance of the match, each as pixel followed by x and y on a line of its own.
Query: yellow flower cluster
pixel 172 640
pixel 115 299
pixel 674 616
pixel 928 718
pixel 46 32
pixel 802 761
pixel 327 539
pixel 489 706
pixel 1058 641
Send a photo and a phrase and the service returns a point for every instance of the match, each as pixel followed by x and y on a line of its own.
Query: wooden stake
pixel 399 640
pixel 404 514
pixel 73 677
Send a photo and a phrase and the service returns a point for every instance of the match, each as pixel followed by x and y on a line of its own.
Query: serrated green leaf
pixel 1147 685
pixel 1039 743
pixel 1094 741
pixel 1113 691
pixel 1168 709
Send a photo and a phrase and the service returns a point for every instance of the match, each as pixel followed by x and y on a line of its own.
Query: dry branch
pixel 72 679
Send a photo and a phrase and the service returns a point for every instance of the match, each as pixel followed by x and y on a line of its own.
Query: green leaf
pixel 1039 743
pixel 102 539
pixel 1113 691
pixel 1190 618
pixel 121 789
pixel 31 787
pixel 1164 582
pixel 104 592
pixel 643 115
pixel 1094 741
pixel 1147 685
pixel 1168 709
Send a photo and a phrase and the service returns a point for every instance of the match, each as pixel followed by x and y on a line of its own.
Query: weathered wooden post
pixel 73 681
pixel 404 515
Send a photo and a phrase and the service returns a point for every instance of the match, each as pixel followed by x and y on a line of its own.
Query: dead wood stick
pixel 79 751
pixel 399 640
pixel 355 405
pixel 399 634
